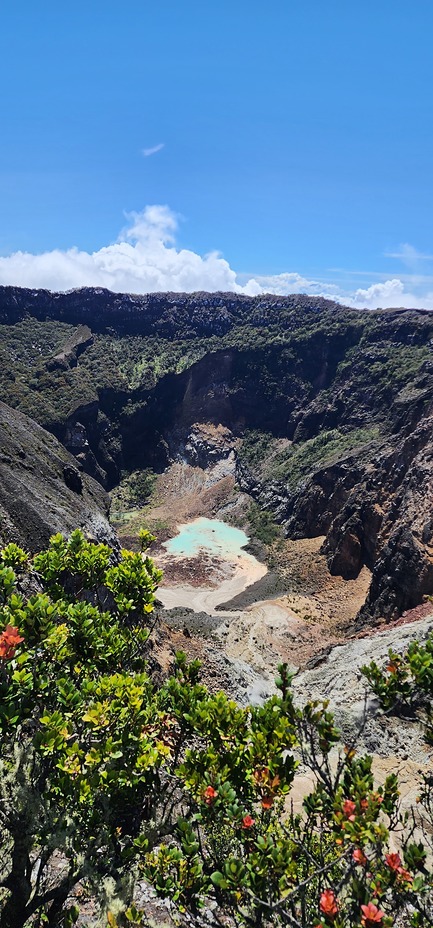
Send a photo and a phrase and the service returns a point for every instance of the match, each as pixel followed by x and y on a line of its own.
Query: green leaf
pixel 218 879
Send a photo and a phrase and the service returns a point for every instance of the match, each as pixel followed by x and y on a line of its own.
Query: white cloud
pixel 409 255
pixel 291 282
pixel 152 151
pixel 154 223
pixel 145 259
pixel 386 294
pixel 389 294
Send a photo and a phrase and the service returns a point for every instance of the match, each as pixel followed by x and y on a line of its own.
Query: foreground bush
pixel 108 776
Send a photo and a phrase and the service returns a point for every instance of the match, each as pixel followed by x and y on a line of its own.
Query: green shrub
pixel 108 775
pixel 405 685
pixel 263 525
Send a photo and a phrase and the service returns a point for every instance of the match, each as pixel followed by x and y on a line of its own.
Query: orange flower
pixel 266 785
pixel 394 862
pixel 267 802
pixel 262 775
pixel 209 795
pixel 349 809
pixel 359 857
pixel 371 916
pixel 328 903
pixel 404 875
pixel 9 640
pixel 248 822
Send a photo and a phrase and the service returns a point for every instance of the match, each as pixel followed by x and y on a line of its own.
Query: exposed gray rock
pixel 338 678
pixel 375 509
pixel 73 478
pixel 67 357
pixel 41 489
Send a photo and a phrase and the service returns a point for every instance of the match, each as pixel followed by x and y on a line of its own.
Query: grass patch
pixel 263 525
pixel 300 461
pixel 278 459
pixel 133 494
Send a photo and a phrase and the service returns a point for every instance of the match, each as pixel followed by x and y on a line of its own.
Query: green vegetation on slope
pixel 131 501
pixel 275 459
pixel 51 396
pixel 263 525
pixel 283 354
pixel 388 366
pixel 294 368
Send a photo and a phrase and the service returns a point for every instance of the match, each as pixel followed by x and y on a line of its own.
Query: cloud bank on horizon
pixel 145 259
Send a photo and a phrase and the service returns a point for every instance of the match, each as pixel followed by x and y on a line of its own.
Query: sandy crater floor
pixel 292 627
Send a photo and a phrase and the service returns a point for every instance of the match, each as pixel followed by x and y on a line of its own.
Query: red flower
pixel 371 916
pixel 394 862
pixel 328 903
pixel 359 857
pixel 209 795
pixel 9 640
pixel 248 822
pixel 349 809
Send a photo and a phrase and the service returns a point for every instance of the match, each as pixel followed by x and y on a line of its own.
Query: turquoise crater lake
pixel 229 568
pixel 207 536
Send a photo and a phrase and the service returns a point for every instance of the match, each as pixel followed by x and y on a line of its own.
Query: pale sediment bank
pixel 243 571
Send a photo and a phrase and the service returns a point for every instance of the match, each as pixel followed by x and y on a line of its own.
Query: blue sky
pixel 238 145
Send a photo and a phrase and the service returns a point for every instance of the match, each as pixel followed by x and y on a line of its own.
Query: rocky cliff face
pixel 397 744
pixel 42 491
pixel 165 314
pixel 343 401
pixel 374 509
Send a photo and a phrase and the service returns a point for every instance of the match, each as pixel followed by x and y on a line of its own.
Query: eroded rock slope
pixel 42 490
